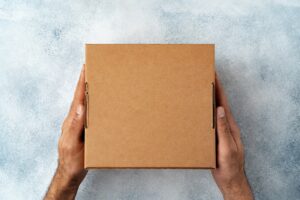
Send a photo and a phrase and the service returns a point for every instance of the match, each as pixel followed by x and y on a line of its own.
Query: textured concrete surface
pixel 257 58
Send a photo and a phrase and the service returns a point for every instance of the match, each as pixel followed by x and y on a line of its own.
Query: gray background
pixel 257 58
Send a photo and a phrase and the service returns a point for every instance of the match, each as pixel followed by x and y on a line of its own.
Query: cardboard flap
pixel 86 104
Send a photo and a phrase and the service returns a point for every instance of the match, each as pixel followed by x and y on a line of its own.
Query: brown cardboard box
pixel 150 106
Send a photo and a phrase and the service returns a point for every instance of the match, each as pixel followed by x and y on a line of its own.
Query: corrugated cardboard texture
pixel 150 106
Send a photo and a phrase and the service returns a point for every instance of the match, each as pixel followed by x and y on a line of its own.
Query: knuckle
pixel 222 124
pixel 230 152
pixel 227 130
pixel 74 121
pixel 66 147
pixel 70 123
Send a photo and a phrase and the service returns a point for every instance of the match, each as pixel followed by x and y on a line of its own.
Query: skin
pixel 70 171
pixel 229 175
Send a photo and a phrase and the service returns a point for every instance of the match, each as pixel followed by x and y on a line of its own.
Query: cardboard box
pixel 150 106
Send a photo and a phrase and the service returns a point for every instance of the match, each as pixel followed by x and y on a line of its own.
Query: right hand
pixel 230 174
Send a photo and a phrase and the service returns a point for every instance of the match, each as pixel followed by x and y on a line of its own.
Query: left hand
pixel 70 171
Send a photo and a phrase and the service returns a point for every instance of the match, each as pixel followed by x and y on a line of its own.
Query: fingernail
pixel 79 110
pixel 221 112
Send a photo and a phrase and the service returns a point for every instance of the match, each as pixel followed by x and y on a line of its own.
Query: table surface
pixel 257 59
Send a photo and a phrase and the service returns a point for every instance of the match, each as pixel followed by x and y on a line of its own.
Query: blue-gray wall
pixel 257 58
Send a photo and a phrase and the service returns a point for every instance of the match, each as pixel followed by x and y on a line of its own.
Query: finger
pixel 74 124
pixel 80 88
pixel 225 138
pixel 79 95
pixel 221 98
pixel 75 119
pixel 222 101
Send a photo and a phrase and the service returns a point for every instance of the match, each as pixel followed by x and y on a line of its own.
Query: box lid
pixel 150 106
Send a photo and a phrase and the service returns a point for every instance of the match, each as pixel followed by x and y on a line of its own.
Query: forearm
pixel 62 187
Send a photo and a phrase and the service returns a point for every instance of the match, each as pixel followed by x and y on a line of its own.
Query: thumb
pixel 225 138
pixel 75 122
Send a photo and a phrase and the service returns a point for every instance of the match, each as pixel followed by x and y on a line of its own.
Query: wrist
pixel 63 186
pixel 238 189
pixel 67 180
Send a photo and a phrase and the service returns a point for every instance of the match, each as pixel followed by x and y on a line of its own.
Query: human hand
pixel 229 174
pixel 70 171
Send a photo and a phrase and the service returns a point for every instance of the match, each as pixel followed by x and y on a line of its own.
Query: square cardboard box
pixel 150 106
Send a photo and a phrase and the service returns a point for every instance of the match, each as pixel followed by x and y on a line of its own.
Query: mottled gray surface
pixel 257 57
